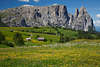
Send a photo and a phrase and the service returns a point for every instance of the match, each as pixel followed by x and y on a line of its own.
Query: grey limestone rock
pixel 55 16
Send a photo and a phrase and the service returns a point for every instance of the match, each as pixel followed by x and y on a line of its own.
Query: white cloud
pixel 55 4
pixel 97 23
pixel 27 5
pixel 98 15
pixel 36 0
pixel 24 0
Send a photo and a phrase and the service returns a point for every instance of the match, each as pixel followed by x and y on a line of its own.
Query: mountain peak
pixel 55 16
pixel 83 9
pixel 76 12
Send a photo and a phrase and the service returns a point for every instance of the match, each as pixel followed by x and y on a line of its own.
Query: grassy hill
pixel 33 33
pixel 62 48
pixel 51 35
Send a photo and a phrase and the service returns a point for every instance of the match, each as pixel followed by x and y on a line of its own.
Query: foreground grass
pixel 82 55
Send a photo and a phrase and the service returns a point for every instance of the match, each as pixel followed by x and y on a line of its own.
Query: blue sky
pixel 93 6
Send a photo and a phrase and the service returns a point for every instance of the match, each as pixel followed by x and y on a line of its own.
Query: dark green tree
pixel 2 37
pixel 62 38
pixel 18 39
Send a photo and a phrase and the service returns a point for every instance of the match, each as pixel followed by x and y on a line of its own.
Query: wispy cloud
pixel 98 15
pixel 97 23
pixel 55 4
pixel 36 0
pixel 24 0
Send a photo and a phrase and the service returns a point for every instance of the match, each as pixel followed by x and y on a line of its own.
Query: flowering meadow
pixel 79 54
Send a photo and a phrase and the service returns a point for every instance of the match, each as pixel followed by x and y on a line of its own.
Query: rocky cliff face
pixel 81 20
pixel 56 15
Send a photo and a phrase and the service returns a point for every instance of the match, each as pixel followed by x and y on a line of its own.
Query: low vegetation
pixel 18 39
pixel 74 48
pixel 17 36
pixel 62 55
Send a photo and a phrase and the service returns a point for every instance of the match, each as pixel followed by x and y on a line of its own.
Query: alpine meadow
pixel 44 33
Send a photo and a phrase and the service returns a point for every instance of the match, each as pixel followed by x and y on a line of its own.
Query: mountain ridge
pixel 54 15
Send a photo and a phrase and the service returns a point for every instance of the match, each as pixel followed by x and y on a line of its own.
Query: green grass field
pixel 50 34
pixel 51 53
pixel 27 31
pixel 83 54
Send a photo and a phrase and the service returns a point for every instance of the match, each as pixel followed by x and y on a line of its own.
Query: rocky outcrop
pixel 55 15
pixel 82 21
pixel 76 13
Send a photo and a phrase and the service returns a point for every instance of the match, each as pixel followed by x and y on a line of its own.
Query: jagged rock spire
pixel 56 16
pixel 85 19
pixel 82 11
pixel 81 20
pixel 76 13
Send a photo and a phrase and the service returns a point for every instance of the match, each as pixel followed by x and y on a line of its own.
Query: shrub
pixel 45 40
pixel 51 40
pixel 66 38
pixel 2 37
pixel 22 30
pixel 62 38
pixel 18 40
pixel 86 35
pixel 11 30
pixel 10 44
pixel 37 36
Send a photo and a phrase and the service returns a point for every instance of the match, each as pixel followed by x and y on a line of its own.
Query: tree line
pixel 17 40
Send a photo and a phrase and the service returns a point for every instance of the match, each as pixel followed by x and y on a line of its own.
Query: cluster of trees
pixel 40 30
pixel 64 38
pixel 3 40
pixel 88 35
pixel 80 35
pixel 17 40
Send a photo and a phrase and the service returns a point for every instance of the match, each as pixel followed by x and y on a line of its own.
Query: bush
pixel 2 37
pixel 45 40
pixel 7 43
pixel 37 36
pixel 10 44
pixel 18 40
pixel 11 30
pixel 51 40
pixel 66 38
pixel 85 35
pixel 62 40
